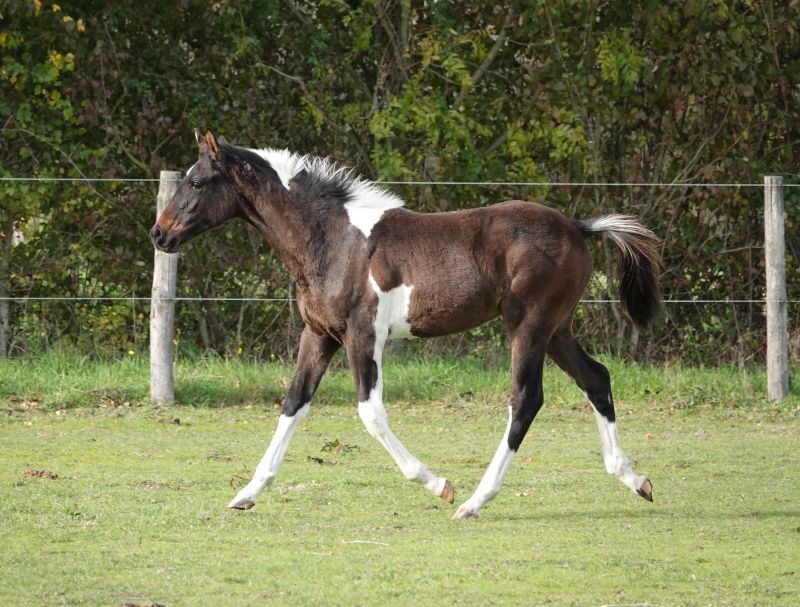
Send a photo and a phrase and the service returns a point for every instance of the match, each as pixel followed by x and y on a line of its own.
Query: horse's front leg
pixel 314 355
pixel 364 354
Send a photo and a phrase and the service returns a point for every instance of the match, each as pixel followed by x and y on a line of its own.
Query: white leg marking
pixel 617 464
pixel 391 318
pixel 373 414
pixel 391 315
pixel 268 467
pixel 492 479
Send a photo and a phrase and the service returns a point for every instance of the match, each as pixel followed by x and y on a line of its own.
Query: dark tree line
pixel 568 91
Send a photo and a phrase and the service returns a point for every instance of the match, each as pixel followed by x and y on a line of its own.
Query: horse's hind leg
pixel 364 354
pixel 313 359
pixel 593 378
pixel 527 351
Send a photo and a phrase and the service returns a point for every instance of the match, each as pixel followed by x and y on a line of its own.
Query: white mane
pixel 366 201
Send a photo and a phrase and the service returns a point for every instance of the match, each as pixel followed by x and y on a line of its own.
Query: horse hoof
pixel 448 494
pixel 646 490
pixel 465 513
pixel 242 504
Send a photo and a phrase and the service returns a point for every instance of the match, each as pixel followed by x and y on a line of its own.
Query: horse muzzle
pixel 162 240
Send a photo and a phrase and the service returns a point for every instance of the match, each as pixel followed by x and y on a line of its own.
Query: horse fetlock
pixel 465 511
pixel 617 464
pixel 416 472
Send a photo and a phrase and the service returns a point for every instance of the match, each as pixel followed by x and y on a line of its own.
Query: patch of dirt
pixel 26 404
pixel 110 398
pixel 40 474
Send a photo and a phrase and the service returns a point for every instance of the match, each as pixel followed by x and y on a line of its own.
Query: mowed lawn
pixel 137 512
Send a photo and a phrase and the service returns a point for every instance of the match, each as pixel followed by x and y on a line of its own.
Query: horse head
pixel 206 197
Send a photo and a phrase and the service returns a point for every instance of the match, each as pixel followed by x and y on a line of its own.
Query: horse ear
pixel 201 141
pixel 221 139
pixel 213 147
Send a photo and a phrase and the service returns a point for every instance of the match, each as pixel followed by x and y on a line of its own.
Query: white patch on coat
pixel 492 479
pixel 366 201
pixel 391 318
pixel 190 169
pixel 270 464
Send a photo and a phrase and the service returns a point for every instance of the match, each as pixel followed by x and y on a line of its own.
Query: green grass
pixel 138 513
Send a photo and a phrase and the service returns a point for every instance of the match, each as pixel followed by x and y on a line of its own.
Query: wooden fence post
pixel 777 333
pixel 162 304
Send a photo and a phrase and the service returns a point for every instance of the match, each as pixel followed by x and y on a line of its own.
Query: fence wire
pixel 548 184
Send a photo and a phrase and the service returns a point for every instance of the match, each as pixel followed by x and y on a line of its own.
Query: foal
pixel 368 270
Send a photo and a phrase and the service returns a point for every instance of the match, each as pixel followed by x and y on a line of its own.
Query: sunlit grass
pixel 137 513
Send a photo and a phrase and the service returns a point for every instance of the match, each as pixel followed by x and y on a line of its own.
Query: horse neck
pixel 288 228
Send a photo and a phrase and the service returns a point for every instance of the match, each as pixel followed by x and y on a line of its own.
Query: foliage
pixel 528 91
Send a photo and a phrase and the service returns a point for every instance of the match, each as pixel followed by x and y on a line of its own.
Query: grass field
pixel 137 514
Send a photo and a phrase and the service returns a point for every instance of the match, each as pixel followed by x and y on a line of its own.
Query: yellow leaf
pixel 81 25
pixel 68 19
pixel 56 8
pixel 38 5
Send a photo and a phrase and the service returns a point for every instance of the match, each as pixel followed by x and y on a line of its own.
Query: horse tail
pixel 641 263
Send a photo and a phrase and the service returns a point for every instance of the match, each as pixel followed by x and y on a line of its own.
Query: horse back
pixel 466 267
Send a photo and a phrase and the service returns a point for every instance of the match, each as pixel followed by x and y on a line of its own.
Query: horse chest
pixel 326 312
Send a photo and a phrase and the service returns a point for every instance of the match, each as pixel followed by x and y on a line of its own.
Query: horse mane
pixel 357 192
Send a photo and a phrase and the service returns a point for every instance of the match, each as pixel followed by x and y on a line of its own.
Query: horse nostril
pixel 156 235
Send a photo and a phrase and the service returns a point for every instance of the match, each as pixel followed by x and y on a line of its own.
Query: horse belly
pixel 457 303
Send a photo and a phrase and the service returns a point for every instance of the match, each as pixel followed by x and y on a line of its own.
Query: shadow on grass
pixel 204 393
pixel 645 514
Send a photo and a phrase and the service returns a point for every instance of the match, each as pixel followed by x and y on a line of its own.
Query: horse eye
pixel 195 184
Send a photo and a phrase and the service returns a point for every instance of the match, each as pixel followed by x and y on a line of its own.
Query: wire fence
pixel 658 184
pixel 548 184
pixel 81 309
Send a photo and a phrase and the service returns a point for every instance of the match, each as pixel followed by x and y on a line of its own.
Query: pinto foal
pixel 368 270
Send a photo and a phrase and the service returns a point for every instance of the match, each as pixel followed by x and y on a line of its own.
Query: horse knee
pixel 373 419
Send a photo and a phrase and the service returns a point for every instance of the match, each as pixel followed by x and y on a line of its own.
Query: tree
pixel 527 91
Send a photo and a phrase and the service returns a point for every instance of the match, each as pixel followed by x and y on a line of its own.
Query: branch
pixel 490 57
